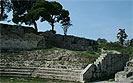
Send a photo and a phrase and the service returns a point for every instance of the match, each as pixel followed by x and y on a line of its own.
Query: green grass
pixel 91 55
pixel 118 47
pixel 30 80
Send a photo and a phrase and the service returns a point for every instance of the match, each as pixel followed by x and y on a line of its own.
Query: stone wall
pixel 105 65
pixel 69 42
pixel 110 64
pixel 125 76
pixel 18 37
pixel 87 73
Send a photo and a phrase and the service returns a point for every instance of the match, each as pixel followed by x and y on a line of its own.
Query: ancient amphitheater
pixel 24 38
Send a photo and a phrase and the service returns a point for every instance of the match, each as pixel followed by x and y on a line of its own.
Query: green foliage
pixel 20 10
pixel 118 47
pixel 91 55
pixel 101 41
pixel 50 11
pixel 29 11
pixel 5 7
pixel 131 42
pixel 65 21
pixel 88 54
pixel 122 36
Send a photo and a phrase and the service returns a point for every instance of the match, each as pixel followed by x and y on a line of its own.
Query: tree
pixel 20 10
pixel 102 41
pixel 5 7
pixel 65 28
pixel 65 21
pixel 121 35
pixel 38 10
pixel 50 11
pixel 131 42
pixel 54 13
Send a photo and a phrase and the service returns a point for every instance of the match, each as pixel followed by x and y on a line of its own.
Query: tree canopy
pixel 5 7
pixel 20 9
pixel 121 35
pixel 29 11
pixel 50 11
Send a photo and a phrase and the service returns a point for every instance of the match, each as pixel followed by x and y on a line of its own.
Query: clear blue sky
pixel 96 18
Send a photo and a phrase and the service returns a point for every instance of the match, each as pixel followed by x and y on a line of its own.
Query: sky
pixel 95 19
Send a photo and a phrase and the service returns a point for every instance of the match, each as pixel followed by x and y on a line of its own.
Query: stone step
pixel 126 69
pixel 122 75
pixel 11 67
pixel 15 73
pixel 60 72
pixel 51 73
pixel 16 70
pixel 61 77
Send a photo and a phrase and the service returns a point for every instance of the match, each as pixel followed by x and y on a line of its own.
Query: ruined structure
pixel 69 42
pixel 125 76
pixel 18 37
pixel 105 65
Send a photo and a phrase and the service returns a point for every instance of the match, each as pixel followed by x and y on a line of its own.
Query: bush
pixel 118 47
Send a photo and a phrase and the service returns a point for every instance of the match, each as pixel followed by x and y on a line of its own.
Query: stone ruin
pixel 23 38
pixel 69 42
pixel 17 37
pixel 125 76
pixel 104 66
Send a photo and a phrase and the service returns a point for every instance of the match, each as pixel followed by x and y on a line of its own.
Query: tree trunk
pixel 35 25
pixel 122 42
pixel 2 9
pixel 52 26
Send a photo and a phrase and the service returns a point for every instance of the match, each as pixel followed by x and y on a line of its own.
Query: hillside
pixel 49 58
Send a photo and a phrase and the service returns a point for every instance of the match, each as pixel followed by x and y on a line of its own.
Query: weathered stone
pixel 109 64
pixel 69 42
pixel 127 74
pixel 18 37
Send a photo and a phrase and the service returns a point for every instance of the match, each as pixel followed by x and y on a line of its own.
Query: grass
pixel 91 55
pixel 118 47
pixel 30 80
